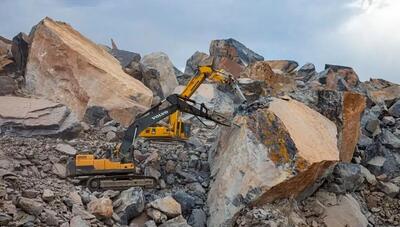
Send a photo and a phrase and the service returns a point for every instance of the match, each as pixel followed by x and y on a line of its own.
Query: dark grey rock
pixel 364 141
pixel 8 85
pixel 125 57
pixel 131 204
pixel 20 50
pixel 373 127
pixel 194 61
pixel 4 219
pixel 187 201
pixel 307 71
pixel 346 177
pixel 30 206
pixel 389 140
pixel 394 110
pixel 95 114
pixel 198 218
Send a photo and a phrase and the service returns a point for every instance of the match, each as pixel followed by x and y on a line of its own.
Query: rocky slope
pixel 310 148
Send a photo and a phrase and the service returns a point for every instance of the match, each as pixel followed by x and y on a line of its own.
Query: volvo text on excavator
pixel 117 169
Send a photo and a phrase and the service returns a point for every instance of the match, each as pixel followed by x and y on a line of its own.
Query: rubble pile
pixel 308 149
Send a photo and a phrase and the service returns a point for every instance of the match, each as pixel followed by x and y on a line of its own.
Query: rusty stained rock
pixel 87 77
pixel 275 153
pixel 345 109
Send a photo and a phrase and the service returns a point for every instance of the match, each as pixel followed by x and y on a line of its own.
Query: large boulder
pixel 167 205
pixel 129 204
pixel 65 66
pixel 232 55
pixel 234 50
pixel 306 72
pixel 101 207
pixel 32 117
pixel 345 109
pixel 194 62
pixel 277 152
pixel 159 74
pixel 340 78
pixel 379 91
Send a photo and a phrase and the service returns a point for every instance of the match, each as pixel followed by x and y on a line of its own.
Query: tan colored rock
pixel 381 95
pixel 259 70
pixel 278 152
pixel 102 207
pixel 274 83
pixel 167 205
pixel 159 74
pixel 30 117
pixel 65 66
pixel 345 109
pixel 346 213
pixel 4 61
pixel 339 78
pixel 282 66
pixel 156 215
pixel 5 46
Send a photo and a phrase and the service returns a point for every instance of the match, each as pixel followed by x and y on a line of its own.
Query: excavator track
pixel 118 182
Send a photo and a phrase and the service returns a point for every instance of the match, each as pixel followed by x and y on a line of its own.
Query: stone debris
pixel 66 149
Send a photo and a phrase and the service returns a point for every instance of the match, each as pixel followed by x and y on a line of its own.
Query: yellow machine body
pixel 176 128
pixel 90 161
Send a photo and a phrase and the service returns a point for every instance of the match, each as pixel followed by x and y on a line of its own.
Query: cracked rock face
pixel 276 153
pixel 33 117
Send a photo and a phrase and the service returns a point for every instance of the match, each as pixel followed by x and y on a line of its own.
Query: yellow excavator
pixel 117 169
pixel 176 129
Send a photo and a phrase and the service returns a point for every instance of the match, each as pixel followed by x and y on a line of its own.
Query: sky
pixel 358 33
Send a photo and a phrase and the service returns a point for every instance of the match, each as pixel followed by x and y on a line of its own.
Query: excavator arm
pixel 155 114
pixel 175 123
